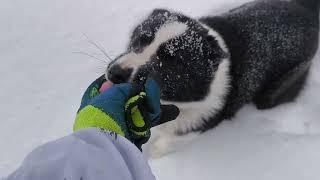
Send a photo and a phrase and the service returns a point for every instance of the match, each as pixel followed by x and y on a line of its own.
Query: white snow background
pixel 42 80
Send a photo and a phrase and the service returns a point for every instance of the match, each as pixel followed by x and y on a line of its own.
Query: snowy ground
pixel 41 82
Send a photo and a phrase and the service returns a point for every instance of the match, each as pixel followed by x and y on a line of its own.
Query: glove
pixel 130 110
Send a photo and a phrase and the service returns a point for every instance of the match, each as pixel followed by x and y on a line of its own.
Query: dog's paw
pixel 163 144
pixel 160 146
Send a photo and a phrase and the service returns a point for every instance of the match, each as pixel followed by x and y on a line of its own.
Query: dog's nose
pixel 117 74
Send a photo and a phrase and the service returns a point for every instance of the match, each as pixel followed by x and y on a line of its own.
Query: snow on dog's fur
pixel 211 67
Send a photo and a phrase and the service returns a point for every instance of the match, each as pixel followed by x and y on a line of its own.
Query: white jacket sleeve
pixel 89 154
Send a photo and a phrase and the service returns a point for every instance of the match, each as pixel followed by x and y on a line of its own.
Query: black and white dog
pixel 210 67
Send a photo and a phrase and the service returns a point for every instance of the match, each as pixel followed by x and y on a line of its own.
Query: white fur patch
pixel 165 33
pixel 192 114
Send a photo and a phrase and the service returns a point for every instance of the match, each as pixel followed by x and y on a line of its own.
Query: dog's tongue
pixel 105 86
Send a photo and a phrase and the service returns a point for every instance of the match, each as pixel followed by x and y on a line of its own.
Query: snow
pixel 42 80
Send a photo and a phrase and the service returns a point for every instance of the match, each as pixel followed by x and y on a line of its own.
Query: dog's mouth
pixel 105 86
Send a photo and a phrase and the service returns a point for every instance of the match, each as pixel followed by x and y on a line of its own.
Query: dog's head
pixel 180 49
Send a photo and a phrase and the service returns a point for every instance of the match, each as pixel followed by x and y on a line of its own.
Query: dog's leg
pixel 286 89
pixel 165 140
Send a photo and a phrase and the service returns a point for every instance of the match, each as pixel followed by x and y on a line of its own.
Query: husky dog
pixel 210 67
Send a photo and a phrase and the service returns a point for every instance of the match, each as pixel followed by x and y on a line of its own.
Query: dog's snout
pixel 117 74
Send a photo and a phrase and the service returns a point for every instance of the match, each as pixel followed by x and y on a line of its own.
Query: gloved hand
pixel 128 109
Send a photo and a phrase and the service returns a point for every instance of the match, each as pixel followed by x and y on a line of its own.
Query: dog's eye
pixel 145 39
pixel 165 53
pixel 139 42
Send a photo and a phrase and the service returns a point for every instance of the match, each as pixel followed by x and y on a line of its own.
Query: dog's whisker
pixel 92 56
pixel 100 48
pixel 101 67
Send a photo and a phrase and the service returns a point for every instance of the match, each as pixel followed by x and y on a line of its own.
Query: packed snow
pixel 44 72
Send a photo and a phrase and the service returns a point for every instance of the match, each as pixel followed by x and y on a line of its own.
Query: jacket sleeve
pixel 88 154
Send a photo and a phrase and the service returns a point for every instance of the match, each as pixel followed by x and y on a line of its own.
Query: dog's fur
pixel 260 52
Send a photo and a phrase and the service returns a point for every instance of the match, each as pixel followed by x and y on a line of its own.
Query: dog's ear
pixel 157 12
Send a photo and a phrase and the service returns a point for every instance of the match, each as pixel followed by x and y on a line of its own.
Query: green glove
pixel 127 109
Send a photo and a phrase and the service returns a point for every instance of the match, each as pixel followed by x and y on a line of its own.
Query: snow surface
pixel 42 81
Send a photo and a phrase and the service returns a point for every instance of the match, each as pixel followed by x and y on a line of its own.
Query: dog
pixel 210 67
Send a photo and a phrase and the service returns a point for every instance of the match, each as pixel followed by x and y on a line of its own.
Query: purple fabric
pixel 89 154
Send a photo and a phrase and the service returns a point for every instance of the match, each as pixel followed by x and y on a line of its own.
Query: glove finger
pixel 159 114
pixel 152 90
pixel 168 113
